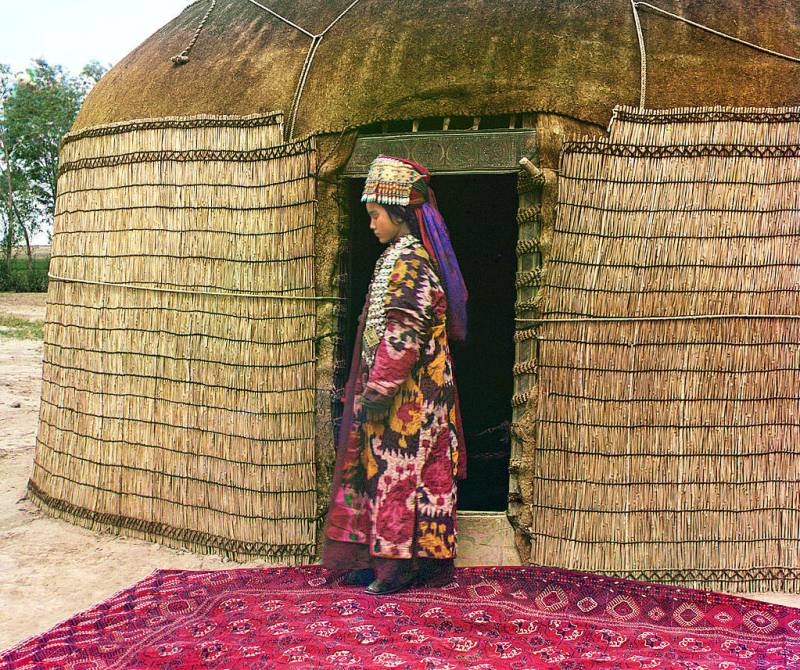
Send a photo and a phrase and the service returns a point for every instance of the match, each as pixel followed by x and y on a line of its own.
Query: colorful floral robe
pixel 394 489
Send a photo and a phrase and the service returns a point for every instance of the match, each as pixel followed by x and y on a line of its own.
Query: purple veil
pixel 436 240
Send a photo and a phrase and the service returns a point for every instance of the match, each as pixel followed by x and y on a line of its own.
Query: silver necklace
pixel 375 324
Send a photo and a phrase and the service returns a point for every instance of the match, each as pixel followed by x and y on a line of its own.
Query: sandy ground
pixel 50 569
pixel 23 305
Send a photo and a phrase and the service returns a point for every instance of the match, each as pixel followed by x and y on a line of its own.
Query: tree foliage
pixel 37 108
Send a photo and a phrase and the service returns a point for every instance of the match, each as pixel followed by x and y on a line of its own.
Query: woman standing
pixel 400 447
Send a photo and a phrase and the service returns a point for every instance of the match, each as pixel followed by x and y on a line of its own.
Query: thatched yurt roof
pixel 387 60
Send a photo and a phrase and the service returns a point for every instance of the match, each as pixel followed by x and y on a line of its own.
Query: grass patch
pixel 15 275
pixel 20 329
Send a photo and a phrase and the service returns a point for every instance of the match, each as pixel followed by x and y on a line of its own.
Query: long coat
pixel 394 488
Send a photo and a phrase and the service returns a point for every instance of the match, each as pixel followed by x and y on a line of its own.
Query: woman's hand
pixel 366 410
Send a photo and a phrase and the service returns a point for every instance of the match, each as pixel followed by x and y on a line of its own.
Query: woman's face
pixel 381 223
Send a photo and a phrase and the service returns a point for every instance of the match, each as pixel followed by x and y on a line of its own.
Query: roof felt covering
pixel 388 60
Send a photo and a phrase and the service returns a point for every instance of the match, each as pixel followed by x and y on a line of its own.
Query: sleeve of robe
pixel 408 317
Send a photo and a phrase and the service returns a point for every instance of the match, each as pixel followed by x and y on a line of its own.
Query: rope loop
pixel 163 289
pixel 635 4
pixel 183 57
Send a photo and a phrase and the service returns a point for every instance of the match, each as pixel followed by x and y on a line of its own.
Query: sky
pixel 73 32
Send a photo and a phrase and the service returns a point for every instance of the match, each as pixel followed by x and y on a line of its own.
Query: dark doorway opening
pixel 480 211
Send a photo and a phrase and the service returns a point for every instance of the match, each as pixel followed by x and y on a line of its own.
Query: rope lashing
pixel 301 83
pixel 752 45
pixel 680 317
pixel 282 18
pixel 183 56
pixel 635 4
pixel 642 56
pixel 225 294
pixel 312 51
pixel 527 247
pixel 529 278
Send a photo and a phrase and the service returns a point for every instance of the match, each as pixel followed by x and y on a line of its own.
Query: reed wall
pixel 179 358
pixel 668 388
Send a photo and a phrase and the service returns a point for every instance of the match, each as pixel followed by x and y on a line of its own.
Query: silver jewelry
pixel 375 324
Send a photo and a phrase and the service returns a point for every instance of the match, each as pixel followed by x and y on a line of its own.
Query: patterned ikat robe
pixel 395 485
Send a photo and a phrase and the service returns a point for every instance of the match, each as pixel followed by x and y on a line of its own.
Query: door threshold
pixel 485 538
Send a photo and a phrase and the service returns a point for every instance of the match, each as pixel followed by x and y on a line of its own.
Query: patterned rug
pixel 487 618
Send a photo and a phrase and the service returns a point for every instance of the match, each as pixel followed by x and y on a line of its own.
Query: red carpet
pixel 488 618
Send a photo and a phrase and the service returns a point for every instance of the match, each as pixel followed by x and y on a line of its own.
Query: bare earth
pixel 50 569
pixel 23 305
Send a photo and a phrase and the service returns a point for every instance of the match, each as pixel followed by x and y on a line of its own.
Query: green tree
pixel 17 209
pixel 36 109
pixel 7 179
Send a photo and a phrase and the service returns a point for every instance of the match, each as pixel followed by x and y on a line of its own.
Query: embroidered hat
pixel 398 181
pixel 392 181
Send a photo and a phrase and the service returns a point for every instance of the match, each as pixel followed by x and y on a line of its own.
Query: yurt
pixel 620 183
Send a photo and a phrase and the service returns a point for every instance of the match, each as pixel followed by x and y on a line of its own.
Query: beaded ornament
pixel 389 181
pixel 375 324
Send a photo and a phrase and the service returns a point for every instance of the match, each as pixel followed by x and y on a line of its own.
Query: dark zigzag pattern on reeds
pixel 186 418
pixel 661 449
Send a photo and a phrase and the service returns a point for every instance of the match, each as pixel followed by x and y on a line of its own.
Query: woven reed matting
pixel 183 417
pixel 669 449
